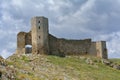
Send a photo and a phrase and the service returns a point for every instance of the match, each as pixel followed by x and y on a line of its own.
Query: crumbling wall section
pixel 74 47
pixel 23 39
pixel 21 42
pixel 101 49
pixel 53 47
pixel 92 50
pixel 69 47
pixel 28 38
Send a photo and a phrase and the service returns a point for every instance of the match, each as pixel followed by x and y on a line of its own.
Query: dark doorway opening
pixel 28 49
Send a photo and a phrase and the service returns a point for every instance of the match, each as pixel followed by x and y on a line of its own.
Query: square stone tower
pixel 40 33
pixel 101 49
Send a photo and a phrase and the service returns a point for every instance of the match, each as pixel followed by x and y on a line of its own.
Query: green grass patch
pixel 26 59
pixel 116 61
pixel 77 67
pixel 61 68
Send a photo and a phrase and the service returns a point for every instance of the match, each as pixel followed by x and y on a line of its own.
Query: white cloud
pixel 96 19
pixel 5 53
pixel 113 43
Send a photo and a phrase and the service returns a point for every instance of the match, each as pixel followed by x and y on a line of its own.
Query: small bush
pixel 25 59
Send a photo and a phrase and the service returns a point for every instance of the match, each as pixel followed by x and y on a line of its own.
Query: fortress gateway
pixel 44 43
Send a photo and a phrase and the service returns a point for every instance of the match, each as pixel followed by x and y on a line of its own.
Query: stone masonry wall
pixel 23 39
pixel 39 35
pixel 53 47
pixel 21 42
pixel 74 47
pixel 69 47
pixel 101 49
pixel 28 38
pixel 92 50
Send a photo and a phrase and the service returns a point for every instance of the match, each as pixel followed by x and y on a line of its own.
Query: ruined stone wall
pixel 74 47
pixel 69 47
pixel 23 39
pixel 101 49
pixel 77 47
pixel 53 47
pixel 28 38
pixel 92 50
pixel 21 42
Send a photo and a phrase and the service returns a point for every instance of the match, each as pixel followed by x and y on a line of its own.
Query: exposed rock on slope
pixel 6 72
pixel 42 67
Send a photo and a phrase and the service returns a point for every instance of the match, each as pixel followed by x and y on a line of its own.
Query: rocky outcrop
pixel 35 66
pixel 89 61
pixel 103 61
pixel 6 72
pixel 111 64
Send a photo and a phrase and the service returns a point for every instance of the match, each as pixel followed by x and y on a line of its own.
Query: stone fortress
pixel 44 43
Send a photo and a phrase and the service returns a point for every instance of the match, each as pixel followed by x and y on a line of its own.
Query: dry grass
pixel 41 67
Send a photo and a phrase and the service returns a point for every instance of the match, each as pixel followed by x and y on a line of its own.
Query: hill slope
pixel 41 67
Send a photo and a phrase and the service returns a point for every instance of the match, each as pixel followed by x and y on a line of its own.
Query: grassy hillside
pixel 115 60
pixel 41 67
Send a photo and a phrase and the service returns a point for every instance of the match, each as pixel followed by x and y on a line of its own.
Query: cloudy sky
pixel 76 19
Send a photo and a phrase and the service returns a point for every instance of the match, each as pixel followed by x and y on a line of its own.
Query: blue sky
pixel 72 19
